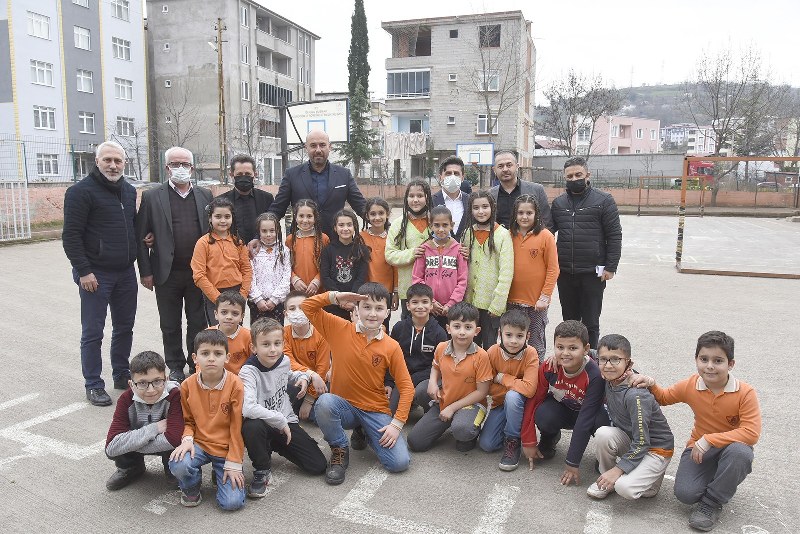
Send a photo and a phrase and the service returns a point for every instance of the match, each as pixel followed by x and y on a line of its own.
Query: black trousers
pixel 179 294
pixel 489 328
pixel 261 440
pixel 256 314
pixel 581 297
pixel 133 459
pixel 552 416
pixel 338 312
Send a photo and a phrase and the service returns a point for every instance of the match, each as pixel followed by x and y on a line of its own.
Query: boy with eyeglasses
pixel 633 453
pixel 148 420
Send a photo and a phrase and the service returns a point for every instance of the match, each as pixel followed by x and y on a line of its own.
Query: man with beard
pixel 511 187
pixel 451 174
pixel 248 202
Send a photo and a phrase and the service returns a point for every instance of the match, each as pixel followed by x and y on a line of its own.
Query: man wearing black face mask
pixel 589 246
pixel 248 202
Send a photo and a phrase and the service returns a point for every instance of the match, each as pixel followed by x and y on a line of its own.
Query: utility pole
pixel 223 134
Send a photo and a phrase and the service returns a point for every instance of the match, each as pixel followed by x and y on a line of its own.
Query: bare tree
pixel 785 129
pixel 133 137
pixel 251 132
pixel 576 102
pixel 181 114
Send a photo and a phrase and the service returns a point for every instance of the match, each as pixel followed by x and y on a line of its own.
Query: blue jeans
pixel 334 414
pixel 503 422
pixel 116 290
pixel 189 474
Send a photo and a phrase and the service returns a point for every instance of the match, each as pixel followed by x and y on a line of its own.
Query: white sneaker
pixel 595 491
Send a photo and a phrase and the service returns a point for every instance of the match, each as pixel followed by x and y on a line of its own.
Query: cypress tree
pixel 357 63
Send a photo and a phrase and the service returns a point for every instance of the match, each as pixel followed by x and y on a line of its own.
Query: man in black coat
pixel 99 240
pixel 248 202
pixel 327 184
pixel 451 175
pixel 175 214
pixel 589 246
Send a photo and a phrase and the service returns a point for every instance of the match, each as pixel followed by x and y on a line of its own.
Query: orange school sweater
pixel 519 374
pixel 306 266
pixel 238 348
pixel 535 267
pixel 732 416
pixel 213 417
pixel 307 353
pixel 461 378
pixel 221 264
pixel 359 367
pixel 377 268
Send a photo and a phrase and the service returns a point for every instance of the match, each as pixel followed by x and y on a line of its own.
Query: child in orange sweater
pixel 727 424
pixel 374 234
pixel 306 241
pixel 229 314
pixel 212 412
pixel 220 260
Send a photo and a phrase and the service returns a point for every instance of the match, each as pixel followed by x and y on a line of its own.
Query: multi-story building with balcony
pixel 462 79
pixel 74 75
pixel 266 60
pixel 618 134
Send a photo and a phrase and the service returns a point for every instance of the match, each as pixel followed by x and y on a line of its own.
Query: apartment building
pixel 74 75
pixel 443 72
pixel 699 140
pixel 618 134
pixel 267 60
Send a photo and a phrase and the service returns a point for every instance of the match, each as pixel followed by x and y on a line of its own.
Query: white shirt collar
pixel 182 194
pixel 731 387
pixel 308 334
pixel 218 386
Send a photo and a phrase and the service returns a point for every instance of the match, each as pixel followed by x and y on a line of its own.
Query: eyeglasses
pixel 612 361
pixel 144 385
pixel 176 164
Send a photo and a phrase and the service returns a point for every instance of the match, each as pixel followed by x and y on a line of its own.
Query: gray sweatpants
pixel 717 477
pixel 430 427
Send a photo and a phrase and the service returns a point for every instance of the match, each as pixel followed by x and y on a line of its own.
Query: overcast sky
pixel 624 41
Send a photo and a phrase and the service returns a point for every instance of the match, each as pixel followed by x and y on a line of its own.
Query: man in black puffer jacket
pixel 100 242
pixel 589 246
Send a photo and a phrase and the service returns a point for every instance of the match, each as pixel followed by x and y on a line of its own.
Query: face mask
pixel 576 186
pixel 418 213
pixel 512 354
pixel 451 183
pixel 244 183
pixel 297 318
pixel 180 175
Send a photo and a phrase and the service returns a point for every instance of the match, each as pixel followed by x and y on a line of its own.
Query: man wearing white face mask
pixel 451 174
pixel 174 213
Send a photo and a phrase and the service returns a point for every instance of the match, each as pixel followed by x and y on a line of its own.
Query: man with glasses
pixel 175 214
pixel 248 202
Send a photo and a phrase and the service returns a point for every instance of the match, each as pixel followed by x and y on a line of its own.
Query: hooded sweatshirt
pixel 265 395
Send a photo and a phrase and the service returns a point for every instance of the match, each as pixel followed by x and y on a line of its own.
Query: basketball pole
pixel 681 215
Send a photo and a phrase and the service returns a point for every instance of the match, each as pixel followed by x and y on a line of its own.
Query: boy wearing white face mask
pixel 451 174
pixel 308 352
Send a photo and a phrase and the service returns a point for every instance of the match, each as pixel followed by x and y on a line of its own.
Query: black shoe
pixel 548 446
pixel 98 397
pixel 123 477
pixel 337 467
pixel 358 440
pixel 465 446
pixel 122 382
pixel 258 488
pixel 511 451
pixel 177 376
pixel 172 482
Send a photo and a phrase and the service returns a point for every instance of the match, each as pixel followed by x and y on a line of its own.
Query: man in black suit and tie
pixel 327 184
pixel 175 214
pixel 451 177
pixel 248 202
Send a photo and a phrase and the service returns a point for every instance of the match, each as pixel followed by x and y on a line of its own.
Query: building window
pixel 491 80
pixel 301 74
pixel 638 151
pixel 246 126
pixel 613 150
pixel 245 54
pixel 82 3
pixel 452 77
pixel 653 135
pixel 244 16
pixel 38 25
pixel 409 84
pixel 307 45
pixel 120 9
pixel 584 134
pixel 167 83
pixel 489 36
pixel 121 48
pixel 415 126
pixel 41 73
pixel 83 38
pixel 639 133
pixel 453 34
pixel 47 164
pixel 268 128
pixel 85 84
pixel 123 89
pixel 615 130
pixel 483 125
pixel 44 118
pixel 86 121
pixel 451 119
pixel 125 126
pixel 245 90
pixel 271 95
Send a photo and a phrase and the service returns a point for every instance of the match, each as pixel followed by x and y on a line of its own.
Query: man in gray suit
pixel 175 214
pixel 511 187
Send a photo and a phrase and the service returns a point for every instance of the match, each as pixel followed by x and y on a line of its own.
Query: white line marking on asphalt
pixel 752 529
pixel 13 402
pixel 598 519
pixel 497 509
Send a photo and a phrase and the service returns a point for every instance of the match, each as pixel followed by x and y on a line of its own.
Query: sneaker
pixel 595 491
pixel 511 452
pixel 177 376
pixel 123 477
pixel 192 497
pixel 358 439
pixel 122 382
pixel 337 467
pixel 98 397
pixel 258 487
pixel 466 446
pixel 548 447
pixel 704 516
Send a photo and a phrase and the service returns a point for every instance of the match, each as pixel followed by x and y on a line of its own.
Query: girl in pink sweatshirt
pixel 441 266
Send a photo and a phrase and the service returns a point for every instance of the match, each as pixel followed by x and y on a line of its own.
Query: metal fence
pixel 15 220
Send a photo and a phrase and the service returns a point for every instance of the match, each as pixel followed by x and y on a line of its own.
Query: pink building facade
pixel 618 134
